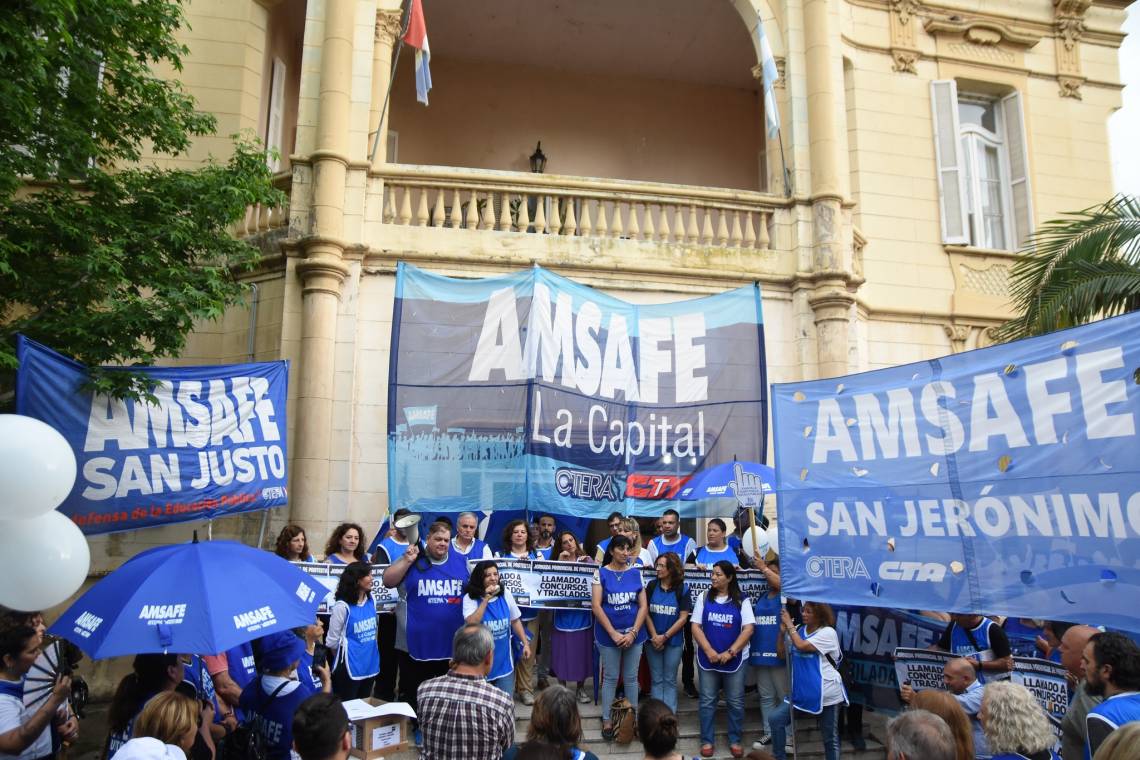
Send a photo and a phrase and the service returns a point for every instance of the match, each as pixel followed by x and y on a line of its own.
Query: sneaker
pixel 527 698
pixel 583 697
pixel 763 741
pixel 789 746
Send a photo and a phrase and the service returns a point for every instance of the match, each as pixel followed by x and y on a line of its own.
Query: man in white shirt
pixel 25 733
pixel 671 539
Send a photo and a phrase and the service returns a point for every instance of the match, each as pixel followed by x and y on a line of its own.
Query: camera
pixel 320 656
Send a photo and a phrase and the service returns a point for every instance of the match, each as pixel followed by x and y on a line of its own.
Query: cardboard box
pixel 386 736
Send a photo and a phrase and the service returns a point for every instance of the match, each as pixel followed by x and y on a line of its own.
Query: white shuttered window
pixel 983 176
pixel 276 121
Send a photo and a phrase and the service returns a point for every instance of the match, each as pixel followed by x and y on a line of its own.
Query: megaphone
pixel 408 524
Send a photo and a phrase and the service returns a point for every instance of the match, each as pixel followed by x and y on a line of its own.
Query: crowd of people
pixel 461 650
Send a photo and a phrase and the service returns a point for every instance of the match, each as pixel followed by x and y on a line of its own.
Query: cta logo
pixel 273 492
pixel 86 624
pixel 585 484
pixel 912 571
pixel 837 567
pixel 163 614
pixel 255 620
pixel 642 485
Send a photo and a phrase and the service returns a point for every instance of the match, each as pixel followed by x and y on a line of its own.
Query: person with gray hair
pixel 467 541
pixel 461 714
pixel 919 735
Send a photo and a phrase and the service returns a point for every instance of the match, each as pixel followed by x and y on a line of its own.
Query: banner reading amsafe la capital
pixel 212 445
pixel 1000 481
pixel 530 390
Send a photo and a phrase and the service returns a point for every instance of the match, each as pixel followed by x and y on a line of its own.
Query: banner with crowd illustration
pixel 534 391
pixel 210 443
pixel 1002 481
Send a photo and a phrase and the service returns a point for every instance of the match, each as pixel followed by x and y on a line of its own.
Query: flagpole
pixel 784 163
pixel 405 17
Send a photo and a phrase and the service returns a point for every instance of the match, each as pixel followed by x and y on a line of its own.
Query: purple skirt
pixel 572 654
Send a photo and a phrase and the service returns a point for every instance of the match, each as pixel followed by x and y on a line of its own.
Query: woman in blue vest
pixel 518 543
pixel 669 608
pixel 618 600
pixel 717 548
pixel 487 602
pixel 817 687
pixel 270 700
pixel 765 652
pixel 346 545
pixel 352 634
pixel 150 674
pixel 722 626
pixel 572 634
pixel 1015 724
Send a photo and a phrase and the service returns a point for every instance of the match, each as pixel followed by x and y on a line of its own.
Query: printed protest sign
pixel 532 390
pixel 1001 481
pixel 212 445
pixel 328 575
pixel 869 637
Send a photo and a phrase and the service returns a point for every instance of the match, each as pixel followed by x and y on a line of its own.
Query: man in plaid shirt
pixel 462 715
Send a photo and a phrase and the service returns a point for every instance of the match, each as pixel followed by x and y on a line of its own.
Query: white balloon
pixel 43 560
pixel 774 540
pixel 754 540
pixel 37 467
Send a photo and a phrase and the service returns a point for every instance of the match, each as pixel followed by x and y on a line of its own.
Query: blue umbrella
pixel 724 480
pixel 195 598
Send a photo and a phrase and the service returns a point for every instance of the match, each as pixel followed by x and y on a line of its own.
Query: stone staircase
pixel 809 745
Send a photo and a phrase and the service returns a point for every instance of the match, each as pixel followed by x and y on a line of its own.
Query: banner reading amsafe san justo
pixel 530 390
pixel 1001 481
pixel 212 445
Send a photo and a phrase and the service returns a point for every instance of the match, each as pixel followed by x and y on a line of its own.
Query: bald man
pixel 1073 728
pixel 961 679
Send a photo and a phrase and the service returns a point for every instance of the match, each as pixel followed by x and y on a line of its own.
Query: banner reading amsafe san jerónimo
pixel 530 390
pixel 1000 481
pixel 212 445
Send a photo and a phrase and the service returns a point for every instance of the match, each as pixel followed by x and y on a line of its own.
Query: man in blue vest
pixel 432 589
pixel 1112 671
pixel 981 641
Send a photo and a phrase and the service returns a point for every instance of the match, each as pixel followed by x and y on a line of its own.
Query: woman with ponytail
pixel 151 674
pixel 657 726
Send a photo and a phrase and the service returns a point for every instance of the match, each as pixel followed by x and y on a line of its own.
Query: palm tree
pixel 1081 267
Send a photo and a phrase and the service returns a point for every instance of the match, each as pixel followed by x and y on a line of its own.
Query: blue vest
pixel 708 557
pixel 663 610
pixel 194 673
pixel 117 739
pixel 241 665
pixel 807 678
pixel 619 602
pixel 568 621
pixel 306 674
pixel 1118 710
pixel 961 645
pixel 766 634
pixel 603 545
pixel 1022 638
pixel 435 605
pixel 273 718
pixel 393 549
pixel 358 644
pixel 676 547
pixel 477 550
pixel 497 618
pixel 544 553
pixel 335 560
pixel 12 689
pixel 721 623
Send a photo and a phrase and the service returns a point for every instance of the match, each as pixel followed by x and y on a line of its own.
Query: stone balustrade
pixel 545 204
pixel 259 218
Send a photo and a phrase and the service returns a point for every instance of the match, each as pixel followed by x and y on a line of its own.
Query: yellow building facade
pixel 923 141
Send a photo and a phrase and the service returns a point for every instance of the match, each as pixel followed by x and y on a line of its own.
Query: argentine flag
pixel 768 75
pixel 416 36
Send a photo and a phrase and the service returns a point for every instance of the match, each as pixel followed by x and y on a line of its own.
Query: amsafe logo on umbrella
pixel 163 614
pixel 86 624
pixel 255 620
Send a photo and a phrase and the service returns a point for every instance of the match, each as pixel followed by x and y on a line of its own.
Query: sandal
pixel 707 750
pixel 736 750
pixel 608 732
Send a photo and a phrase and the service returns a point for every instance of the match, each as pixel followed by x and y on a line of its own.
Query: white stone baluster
pixel 540 214
pixel 634 225
pixel 569 221
pixel 735 238
pixel 679 225
pixel 722 227
pixel 663 225
pixel 749 233
pixel 694 229
pixel 505 213
pixel 585 227
pixel 456 219
pixel 649 230
pixel 389 204
pixel 473 211
pixel 405 216
pixel 488 220
pixel 524 214
pixel 706 227
pixel 762 240
pixel 601 227
pixel 555 217
pixel 437 212
pixel 616 227
pixel 422 209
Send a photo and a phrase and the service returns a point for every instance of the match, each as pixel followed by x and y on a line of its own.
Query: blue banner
pixel 532 391
pixel 1000 481
pixel 213 445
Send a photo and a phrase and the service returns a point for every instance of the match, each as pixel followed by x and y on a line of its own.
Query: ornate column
pixel 387 30
pixel 321 272
pixel 1070 24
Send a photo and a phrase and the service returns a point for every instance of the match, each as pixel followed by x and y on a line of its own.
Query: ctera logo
pixel 912 571
pixel 585 484
pixel 86 624
pixel 255 620
pixel 837 567
pixel 159 614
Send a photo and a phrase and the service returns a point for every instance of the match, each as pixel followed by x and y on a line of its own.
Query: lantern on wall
pixel 538 159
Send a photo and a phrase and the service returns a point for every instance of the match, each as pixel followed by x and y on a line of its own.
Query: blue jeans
pixel 772 683
pixel 663 673
pixel 506 683
pixel 828 723
pixel 712 681
pixel 614 662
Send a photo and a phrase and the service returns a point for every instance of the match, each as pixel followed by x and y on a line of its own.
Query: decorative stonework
pixel 991 281
pixel 1069 22
pixel 904 45
pixel 981 52
pixel 781 66
pixel 958 335
pixel 981 40
pixel 387 26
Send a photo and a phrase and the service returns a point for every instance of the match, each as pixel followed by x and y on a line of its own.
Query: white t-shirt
pixel 826 642
pixel 747 617
pixel 13 714
pixel 470 605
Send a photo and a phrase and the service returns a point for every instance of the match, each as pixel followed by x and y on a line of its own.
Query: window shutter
pixel 275 122
pixel 1018 168
pixel 393 148
pixel 948 154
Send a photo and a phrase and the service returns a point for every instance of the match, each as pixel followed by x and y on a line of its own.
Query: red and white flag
pixel 416 36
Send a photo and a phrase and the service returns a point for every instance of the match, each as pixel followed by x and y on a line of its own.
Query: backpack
pixel 623 720
pixel 245 742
